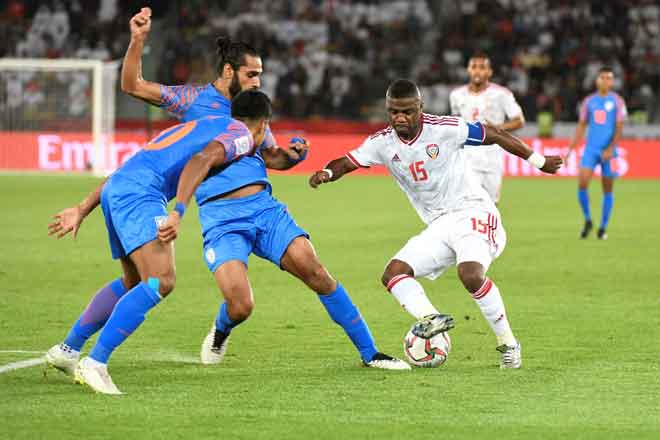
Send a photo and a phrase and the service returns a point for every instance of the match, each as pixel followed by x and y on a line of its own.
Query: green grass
pixel 587 313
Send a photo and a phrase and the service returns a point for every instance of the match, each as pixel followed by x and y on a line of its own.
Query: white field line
pixel 22 364
pixel 155 357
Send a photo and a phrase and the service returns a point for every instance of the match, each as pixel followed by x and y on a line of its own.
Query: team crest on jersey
pixel 609 105
pixel 432 150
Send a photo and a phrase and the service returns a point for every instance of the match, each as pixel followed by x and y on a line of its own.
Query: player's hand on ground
pixel 67 220
pixel 552 164
pixel 298 149
pixel 170 229
pixel 141 24
pixel 318 178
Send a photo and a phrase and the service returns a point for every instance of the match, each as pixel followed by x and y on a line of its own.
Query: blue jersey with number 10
pixel 189 102
pixel 160 163
pixel 602 113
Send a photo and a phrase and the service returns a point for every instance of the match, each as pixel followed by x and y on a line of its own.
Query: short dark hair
pixel 479 55
pixel 403 88
pixel 605 69
pixel 232 53
pixel 251 104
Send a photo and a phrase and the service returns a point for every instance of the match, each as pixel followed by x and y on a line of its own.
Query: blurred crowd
pixel 334 58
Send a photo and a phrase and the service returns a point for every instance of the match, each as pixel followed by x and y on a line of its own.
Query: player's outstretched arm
pixel 515 146
pixel 70 219
pixel 194 172
pixel 334 170
pixel 283 159
pixel 131 71
pixel 512 124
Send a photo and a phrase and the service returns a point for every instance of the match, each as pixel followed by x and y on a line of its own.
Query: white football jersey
pixel 431 168
pixel 495 104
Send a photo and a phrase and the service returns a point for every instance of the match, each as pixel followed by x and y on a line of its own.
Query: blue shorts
pixel 130 212
pixel 592 157
pixel 233 229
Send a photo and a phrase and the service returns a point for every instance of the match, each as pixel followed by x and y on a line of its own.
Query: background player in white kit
pixel 483 101
pixel 425 155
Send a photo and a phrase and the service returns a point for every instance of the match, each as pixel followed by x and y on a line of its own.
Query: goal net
pixel 57 114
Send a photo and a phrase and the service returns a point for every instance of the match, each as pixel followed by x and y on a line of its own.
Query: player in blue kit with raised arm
pixel 604 112
pixel 134 202
pixel 239 216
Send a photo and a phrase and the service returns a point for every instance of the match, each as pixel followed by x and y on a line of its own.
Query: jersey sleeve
pixel 236 139
pixel 621 110
pixel 510 105
pixel 269 140
pixel 177 99
pixel 469 133
pixel 368 153
pixel 453 103
pixel 584 110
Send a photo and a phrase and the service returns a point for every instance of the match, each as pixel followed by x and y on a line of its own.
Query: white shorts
pixel 491 181
pixel 457 237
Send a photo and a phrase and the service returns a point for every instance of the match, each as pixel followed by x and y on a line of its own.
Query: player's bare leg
pixel 232 280
pixel 584 178
pixel 399 279
pixel 608 200
pixel 65 355
pixel 155 264
pixel 488 298
pixel 301 261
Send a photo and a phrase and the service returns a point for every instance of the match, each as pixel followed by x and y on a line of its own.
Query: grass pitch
pixel 586 312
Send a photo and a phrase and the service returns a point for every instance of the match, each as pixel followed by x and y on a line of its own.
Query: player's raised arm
pixel 277 158
pixel 334 170
pixel 515 146
pixel 70 219
pixel 131 71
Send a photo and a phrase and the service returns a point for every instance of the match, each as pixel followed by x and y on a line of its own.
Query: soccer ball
pixel 427 353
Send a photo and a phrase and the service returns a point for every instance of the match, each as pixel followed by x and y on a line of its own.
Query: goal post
pixel 61 96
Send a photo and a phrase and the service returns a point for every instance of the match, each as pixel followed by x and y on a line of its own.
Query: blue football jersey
pixel 189 102
pixel 160 163
pixel 601 113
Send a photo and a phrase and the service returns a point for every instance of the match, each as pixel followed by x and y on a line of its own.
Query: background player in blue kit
pixel 604 112
pixel 134 202
pixel 238 214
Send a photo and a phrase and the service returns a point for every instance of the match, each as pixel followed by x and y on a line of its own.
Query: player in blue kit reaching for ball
pixel 134 202
pixel 604 112
pixel 238 214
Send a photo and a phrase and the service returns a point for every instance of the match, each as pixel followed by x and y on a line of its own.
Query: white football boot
pixel 95 375
pixel 385 362
pixel 63 358
pixel 214 347
pixel 511 356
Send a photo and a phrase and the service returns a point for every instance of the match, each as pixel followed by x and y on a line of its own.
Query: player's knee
pixel 240 309
pixel 471 275
pixel 394 268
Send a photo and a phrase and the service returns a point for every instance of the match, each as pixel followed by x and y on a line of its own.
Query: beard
pixel 235 86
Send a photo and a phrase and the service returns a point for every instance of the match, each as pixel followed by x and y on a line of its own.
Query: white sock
pixel 411 296
pixel 490 302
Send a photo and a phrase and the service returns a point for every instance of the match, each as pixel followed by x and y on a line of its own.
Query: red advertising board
pixel 73 152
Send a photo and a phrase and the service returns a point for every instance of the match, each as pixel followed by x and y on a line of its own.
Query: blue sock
pixel 95 314
pixel 608 203
pixel 583 197
pixel 125 319
pixel 223 322
pixel 342 310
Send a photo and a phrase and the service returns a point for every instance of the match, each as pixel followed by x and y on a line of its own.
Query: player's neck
pixel 478 88
pixel 603 93
pixel 222 88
